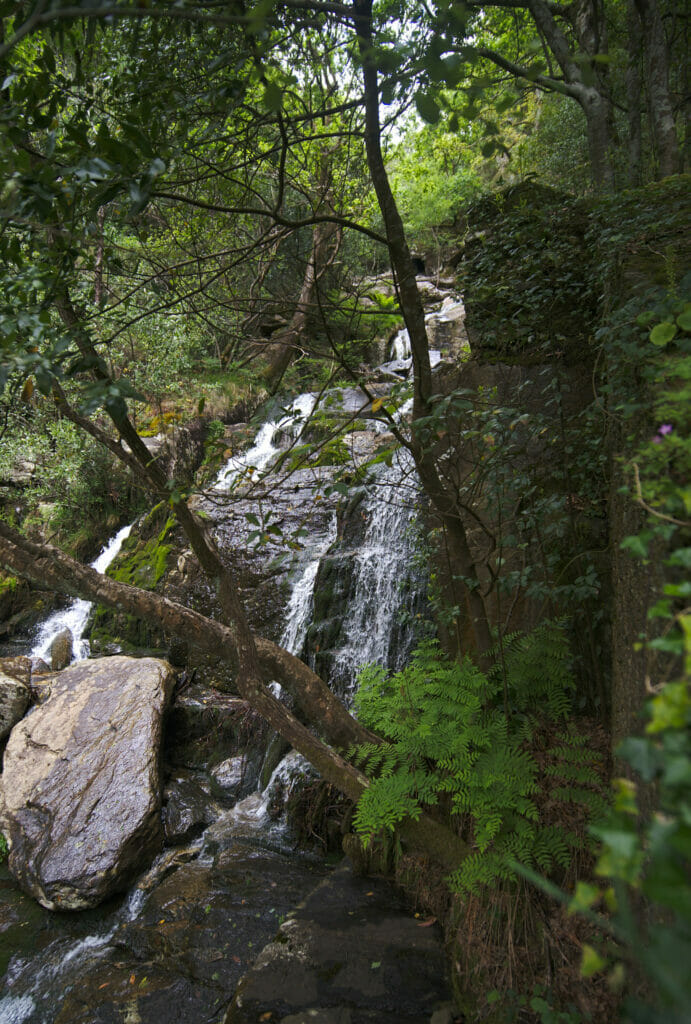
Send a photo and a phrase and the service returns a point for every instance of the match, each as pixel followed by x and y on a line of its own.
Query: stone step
pixel 352 953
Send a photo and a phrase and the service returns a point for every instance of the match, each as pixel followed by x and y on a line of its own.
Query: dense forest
pixel 210 207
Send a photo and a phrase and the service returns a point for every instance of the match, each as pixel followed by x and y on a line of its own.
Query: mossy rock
pixel 142 563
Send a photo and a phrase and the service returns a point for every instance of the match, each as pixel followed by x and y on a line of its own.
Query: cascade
pixel 301 601
pixel 382 570
pixel 87 951
pixel 76 615
pixel 256 459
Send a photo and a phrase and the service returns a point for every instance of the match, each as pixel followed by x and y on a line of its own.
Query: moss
pixel 142 563
pixel 146 561
pixel 8 584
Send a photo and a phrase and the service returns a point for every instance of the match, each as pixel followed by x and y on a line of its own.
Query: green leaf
pixel 427 107
pixel 684 319
pixel 663 333
pixel 583 898
pixel 273 96
pixel 591 961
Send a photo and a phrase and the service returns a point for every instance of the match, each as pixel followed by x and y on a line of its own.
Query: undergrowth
pixel 468 742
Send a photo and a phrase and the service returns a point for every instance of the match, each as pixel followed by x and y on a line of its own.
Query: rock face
pixel 81 789
pixel 15 679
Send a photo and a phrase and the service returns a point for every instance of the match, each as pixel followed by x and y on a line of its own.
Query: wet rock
pixel 198 929
pixel 61 650
pixel 80 790
pixel 19 667
pixel 178 652
pixel 205 727
pixel 229 776
pixel 351 952
pixel 15 693
pixel 39 667
pixel 187 809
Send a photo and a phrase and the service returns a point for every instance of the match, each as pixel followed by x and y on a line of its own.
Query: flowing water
pixel 267 444
pixel 76 615
pixel 167 951
pixel 384 579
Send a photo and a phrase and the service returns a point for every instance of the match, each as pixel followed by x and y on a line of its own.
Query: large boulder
pixel 15 693
pixel 80 793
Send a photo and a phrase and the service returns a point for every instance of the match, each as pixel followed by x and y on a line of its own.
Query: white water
pixel 251 463
pixel 41 980
pixel 75 616
pixel 382 567
pixel 382 562
pixel 301 602
pixel 401 351
pixel 253 811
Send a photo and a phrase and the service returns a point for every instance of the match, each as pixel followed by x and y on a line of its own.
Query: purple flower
pixel 662 431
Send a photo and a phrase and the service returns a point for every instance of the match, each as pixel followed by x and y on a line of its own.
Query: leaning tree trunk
pixel 49 567
pixel 287 343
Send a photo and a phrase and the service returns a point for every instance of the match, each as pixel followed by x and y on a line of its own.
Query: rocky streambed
pixel 200 928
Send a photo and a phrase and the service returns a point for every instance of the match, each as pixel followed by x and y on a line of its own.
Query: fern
pixel 447 736
pixel 538 669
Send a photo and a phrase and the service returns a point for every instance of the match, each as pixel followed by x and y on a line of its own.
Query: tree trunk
pixel 662 124
pixel 587 19
pixel 48 567
pixel 633 94
pixel 598 127
pixel 413 314
pixel 286 344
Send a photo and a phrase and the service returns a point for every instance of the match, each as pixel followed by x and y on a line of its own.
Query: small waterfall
pixel 378 567
pixel 400 346
pixel 301 602
pixel 75 616
pixel 251 463
pixel 253 811
pixel 371 631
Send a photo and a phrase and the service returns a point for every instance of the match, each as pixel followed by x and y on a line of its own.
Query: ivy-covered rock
pixel 524 274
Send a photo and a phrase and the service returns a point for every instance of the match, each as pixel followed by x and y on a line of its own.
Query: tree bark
pixel 286 344
pixel 587 19
pixel 633 94
pixel 662 122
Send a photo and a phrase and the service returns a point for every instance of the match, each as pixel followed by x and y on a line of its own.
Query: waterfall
pixel 252 462
pixel 301 602
pixel 76 615
pixel 371 630
pixel 400 346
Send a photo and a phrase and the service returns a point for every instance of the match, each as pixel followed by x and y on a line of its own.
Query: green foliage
pixel 458 737
pixel 643 899
pixel 432 179
pixel 533 234
pixel 73 482
pixel 3 848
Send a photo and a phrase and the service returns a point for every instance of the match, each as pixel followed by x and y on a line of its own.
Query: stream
pixel 174 947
